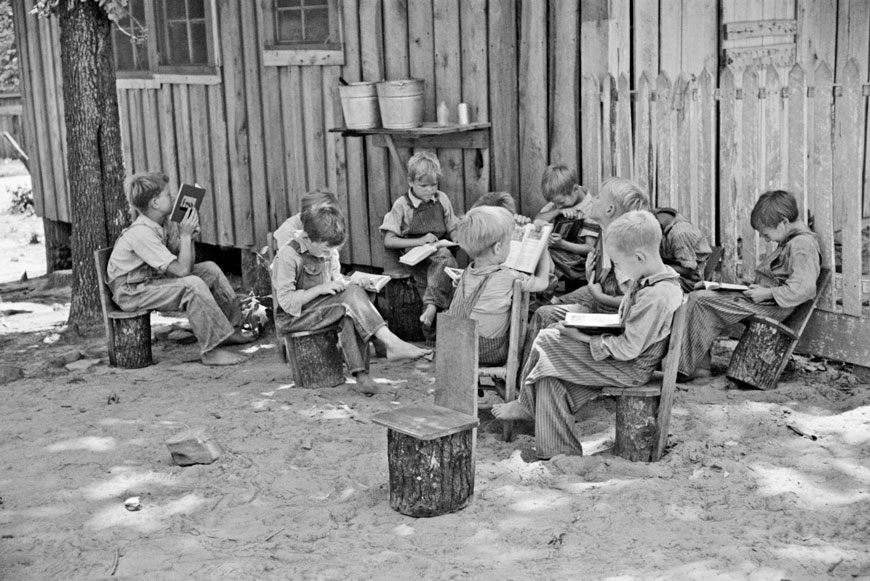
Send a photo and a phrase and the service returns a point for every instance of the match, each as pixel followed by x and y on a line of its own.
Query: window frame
pixel 277 53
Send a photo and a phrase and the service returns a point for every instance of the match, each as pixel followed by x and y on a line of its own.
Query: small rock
pixel 306 443
pixel 66 358
pixel 81 364
pixel 194 447
pixel 9 373
pixel 180 336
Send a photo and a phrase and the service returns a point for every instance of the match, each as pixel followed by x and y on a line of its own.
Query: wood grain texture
pixel 822 172
pixel 258 221
pixel 728 177
pixel 532 111
pixel 706 192
pixel 749 190
pixel 475 93
pixel 456 355
pixel 590 133
pixel 644 161
pixel 502 35
pixel 448 89
pixel 797 138
pixel 662 114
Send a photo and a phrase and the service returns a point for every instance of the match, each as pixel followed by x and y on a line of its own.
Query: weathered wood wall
pixel 10 122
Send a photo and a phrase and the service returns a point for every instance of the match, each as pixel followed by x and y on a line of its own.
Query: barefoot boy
pixel 568 368
pixel 312 294
pixel 148 271
pixel 424 215
pixel 485 291
pixel 784 278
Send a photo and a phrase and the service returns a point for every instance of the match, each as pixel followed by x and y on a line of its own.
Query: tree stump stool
pixel 430 451
pixel 637 411
pixel 401 308
pixel 761 354
pixel 314 357
pixel 132 339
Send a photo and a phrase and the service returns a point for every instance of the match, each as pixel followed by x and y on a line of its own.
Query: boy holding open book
pixel 150 270
pixel 568 368
pixel 485 290
pixel 784 278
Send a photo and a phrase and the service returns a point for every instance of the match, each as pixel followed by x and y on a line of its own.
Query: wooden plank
pixel 643 160
pixel 779 55
pixel 65 210
pixel 475 93
pixel 817 33
pixel 594 43
pixel 748 193
pixel 608 126
pixel 371 58
pixel 421 51
pixel 700 31
pixel 252 54
pixel 237 125
pixel 728 174
pixel 201 142
pixel 623 140
pixel 456 365
pixel 533 116
pixel 661 111
pixel 822 172
pixel 859 50
pixel 797 137
pixel 619 38
pixel 848 166
pixel 53 91
pixel 302 58
pixel 166 125
pixel 448 88
pixel 335 155
pixel 683 197
pixel 707 151
pixel 124 121
pixel 590 133
pixel 183 136
pixel 220 190
pixel 759 28
pixel 137 131
pixel 359 244
pixel 503 97
pixel 397 65
pixel 834 336
pixel 295 175
pixel 670 37
pixel 645 42
pixel 773 176
pixel 426 422
pixel 151 129
pixel 312 115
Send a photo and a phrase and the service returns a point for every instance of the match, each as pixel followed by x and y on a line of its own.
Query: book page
pixel 596 320
pixel 454 273
pixel 527 245
pixel 370 282
pixel 418 253
pixel 726 286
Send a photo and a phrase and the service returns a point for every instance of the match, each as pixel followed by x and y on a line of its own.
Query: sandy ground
pixel 739 495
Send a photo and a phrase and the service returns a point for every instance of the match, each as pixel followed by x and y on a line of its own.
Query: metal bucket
pixel 401 103
pixel 359 103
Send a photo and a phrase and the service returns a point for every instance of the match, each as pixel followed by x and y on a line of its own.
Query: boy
pixel 485 291
pixel 293 224
pixel 312 294
pixel 502 200
pixel 603 293
pixel 784 278
pixel 567 209
pixel 148 271
pixel 568 368
pixel 424 215
pixel 684 247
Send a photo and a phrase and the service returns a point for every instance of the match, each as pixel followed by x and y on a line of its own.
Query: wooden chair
pixel 643 413
pixel 128 334
pixel 767 344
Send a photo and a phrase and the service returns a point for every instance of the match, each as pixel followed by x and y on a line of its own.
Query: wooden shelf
pixel 425 129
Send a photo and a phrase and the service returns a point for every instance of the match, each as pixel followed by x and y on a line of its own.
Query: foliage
pixel 8 51
pixel 115 9
pixel 255 312
pixel 22 201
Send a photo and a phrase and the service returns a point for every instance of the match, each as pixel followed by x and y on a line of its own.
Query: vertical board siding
pixel 448 89
pixel 397 66
pixel 475 93
pixel 503 83
pixel 532 103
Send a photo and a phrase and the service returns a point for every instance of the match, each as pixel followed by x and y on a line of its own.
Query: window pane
pixel 315 3
pixel 195 9
pixel 287 3
pixel 137 9
pixel 317 25
pixel 178 53
pixel 124 60
pixel 175 9
pixel 199 43
pixel 289 27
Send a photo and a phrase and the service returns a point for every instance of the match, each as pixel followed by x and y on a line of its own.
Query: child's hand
pixel 428 239
pixel 521 220
pixel 555 240
pixel 570 213
pixel 758 294
pixel 189 225
pixel 572 333
pixel 333 287
pixel 698 285
pixel 596 291
pixel 443 243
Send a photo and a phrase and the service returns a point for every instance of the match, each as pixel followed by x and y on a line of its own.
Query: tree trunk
pixel 94 157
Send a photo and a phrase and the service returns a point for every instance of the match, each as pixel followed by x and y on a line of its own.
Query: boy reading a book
pixel 603 294
pixel 150 270
pixel 784 278
pixel 574 233
pixel 424 215
pixel 684 247
pixel 312 294
pixel 502 200
pixel 293 224
pixel 568 368
pixel 485 290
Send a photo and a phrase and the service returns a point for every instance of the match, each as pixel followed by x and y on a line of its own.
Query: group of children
pixel 625 256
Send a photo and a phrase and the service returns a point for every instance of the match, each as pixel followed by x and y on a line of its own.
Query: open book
pixel 418 254
pixel 527 244
pixel 370 282
pixel 189 196
pixel 725 286
pixel 594 323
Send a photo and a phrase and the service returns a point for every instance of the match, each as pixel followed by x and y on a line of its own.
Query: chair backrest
pixel 456 353
pixel 669 380
pixel 800 316
pixel 101 261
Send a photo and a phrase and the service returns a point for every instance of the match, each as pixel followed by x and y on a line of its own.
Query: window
pixel 182 33
pixel 131 39
pixel 303 33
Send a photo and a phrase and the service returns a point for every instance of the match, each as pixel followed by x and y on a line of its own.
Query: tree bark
pixel 94 157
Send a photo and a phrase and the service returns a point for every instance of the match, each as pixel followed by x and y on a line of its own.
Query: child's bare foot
pixel 511 410
pixel 402 350
pixel 428 316
pixel 222 357
pixel 239 338
pixel 367 386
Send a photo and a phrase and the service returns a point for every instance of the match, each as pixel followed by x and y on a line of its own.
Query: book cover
pixel 370 282
pixel 527 245
pixel 725 286
pixel 188 197
pixel 418 254
pixel 594 323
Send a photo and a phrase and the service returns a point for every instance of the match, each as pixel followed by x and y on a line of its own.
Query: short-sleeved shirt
pixel 144 251
pixel 288 230
pixel 792 268
pixel 286 269
pixel 493 308
pixel 398 219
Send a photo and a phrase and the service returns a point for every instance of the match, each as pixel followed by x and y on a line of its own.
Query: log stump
pixel 430 477
pixel 637 411
pixel 759 358
pixel 401 308
pixel 314 357
pixel 132 341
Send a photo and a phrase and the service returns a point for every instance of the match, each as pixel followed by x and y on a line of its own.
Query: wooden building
pixel 705 102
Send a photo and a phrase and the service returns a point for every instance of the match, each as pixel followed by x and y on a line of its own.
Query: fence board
pixel 64 201
pixel 124 118
pixel 848 157
pixel 643 161
pixel 312 117
pixel 623 141
pixel 503 77
pixel 670 37
pixel 448 88
pixel 335 153
pixel 251 43
pixel 202 160
pixel 565 84
pixel 821 170
pixel 220 189
pixel 700 36
pixel 594 38
pixel 533 116
pixel 686 157
pixel 53 92
pixel 293 128
pixel 705 191
pixel 590 132
pixel 645 43
pixel 619 37
pixel 797 135
pixel 137 130
pixel 166 123
pixel 397 66
pixel 661 111
pixel 475 93
pixel 608 126
pixel 728 173
pixel 184 142
pixel 748 191
pixel 773 107
pixel 152 129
